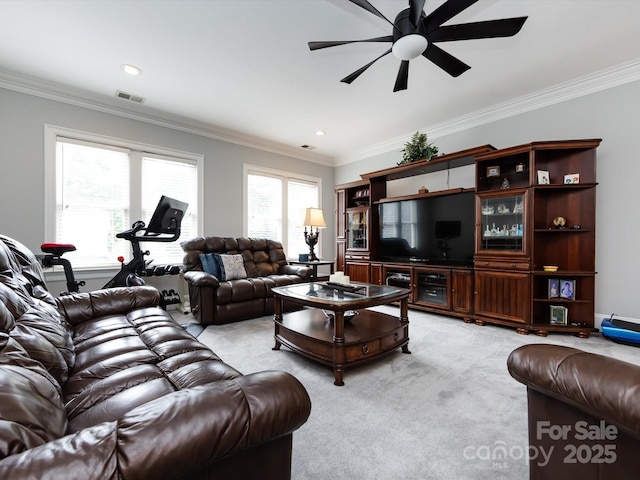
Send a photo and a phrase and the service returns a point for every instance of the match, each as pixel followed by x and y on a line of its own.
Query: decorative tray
pixel 342 287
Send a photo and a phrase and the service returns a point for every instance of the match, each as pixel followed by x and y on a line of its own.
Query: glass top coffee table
pixel 337 328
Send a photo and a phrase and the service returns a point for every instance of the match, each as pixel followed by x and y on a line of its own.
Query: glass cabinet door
pixel 502 225
pixel 357 228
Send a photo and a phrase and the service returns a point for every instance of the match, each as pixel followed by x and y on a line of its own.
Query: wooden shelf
pixel 424 195
pixel 442 162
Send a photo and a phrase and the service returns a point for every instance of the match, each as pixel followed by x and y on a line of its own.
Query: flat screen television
pixel 437 230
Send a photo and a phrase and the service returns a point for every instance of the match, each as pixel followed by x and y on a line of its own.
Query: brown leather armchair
pixel 107 385
pixel 584 413
pixel 216 302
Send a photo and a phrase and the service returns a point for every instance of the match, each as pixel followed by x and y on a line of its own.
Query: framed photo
pixel 568 289
pixel 543 177
pixel 493 171
pixel 557 315
pixel 554 288
pixel 571 178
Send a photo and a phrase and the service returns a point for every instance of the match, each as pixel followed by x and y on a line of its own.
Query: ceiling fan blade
pixel 319 45
pixel 506 27
pixel 444 12
pixel 370 8
pixel 403 76
pixel 445 61
pixel 415 11
pixel 350 78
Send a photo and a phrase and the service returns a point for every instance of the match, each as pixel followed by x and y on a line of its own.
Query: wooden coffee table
pixel 333 339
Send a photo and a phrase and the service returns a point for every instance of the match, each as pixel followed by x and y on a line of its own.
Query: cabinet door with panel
pixel 502 296
pixel 376 274
pixel 461 291
pixel 357 271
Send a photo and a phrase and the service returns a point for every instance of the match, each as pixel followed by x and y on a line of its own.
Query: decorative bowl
pixel 550 268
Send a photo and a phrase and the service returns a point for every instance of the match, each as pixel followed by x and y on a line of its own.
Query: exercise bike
pixel 164 226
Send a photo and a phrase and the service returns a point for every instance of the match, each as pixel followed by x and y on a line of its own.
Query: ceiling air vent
pixel 129 96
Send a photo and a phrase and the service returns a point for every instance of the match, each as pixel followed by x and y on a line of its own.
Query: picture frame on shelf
pixel 558 315
pixel 568 289
pixel 571 178
pixel 493 171
pixel 543 177
pixel 554 288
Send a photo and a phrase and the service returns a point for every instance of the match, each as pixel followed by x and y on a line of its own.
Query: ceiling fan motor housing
pixel 408 41
pixel 403 26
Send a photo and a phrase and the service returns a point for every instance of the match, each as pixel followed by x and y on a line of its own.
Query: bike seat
pixel 57 249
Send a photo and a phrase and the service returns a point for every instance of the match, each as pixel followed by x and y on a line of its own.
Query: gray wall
pixel 22 120
pixel 611 115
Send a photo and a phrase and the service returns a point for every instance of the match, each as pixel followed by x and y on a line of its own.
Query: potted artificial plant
pixel 417 149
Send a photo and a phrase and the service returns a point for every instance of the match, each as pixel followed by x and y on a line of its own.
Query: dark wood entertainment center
pixel 534 208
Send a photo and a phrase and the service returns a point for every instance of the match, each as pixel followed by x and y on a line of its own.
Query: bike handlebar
pixel 139 226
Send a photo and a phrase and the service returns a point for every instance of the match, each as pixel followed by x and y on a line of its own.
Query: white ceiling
pixel 242 70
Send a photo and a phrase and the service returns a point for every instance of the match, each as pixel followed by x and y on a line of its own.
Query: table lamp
pixel 313 218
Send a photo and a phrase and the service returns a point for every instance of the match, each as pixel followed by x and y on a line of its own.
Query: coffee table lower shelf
pixel 367 336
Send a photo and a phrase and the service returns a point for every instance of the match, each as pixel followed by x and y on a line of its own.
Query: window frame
pixel 137 149
pixel 283 175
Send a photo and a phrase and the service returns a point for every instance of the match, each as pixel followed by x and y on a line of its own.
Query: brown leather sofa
pixel 217 302
pixel 106 385
pixel 584 413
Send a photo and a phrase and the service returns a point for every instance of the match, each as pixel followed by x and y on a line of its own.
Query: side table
pixel 314 267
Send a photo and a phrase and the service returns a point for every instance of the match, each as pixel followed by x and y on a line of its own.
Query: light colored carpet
pixel 441 412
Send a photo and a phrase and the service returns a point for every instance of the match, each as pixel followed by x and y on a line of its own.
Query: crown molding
pixel 80 98
pixel 602 80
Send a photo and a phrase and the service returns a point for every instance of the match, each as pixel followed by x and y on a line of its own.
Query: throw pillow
pixel 231 267
pixel 209 264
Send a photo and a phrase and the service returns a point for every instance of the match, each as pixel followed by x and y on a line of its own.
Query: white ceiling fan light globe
pixel 409 47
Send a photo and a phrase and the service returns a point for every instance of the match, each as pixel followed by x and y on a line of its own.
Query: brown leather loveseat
pixel 216 300
pixel 106 385
pixel 584 413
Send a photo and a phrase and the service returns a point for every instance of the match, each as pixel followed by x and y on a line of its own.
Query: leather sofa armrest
pixel 201 279
pixel 300 270
pixel 80 307
pixel 601 386
pixel 175 434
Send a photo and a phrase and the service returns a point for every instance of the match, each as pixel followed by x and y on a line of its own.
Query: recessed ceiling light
pixel 320 132
pixel 131 70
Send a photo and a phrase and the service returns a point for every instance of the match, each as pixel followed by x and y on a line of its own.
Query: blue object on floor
pixel 621 331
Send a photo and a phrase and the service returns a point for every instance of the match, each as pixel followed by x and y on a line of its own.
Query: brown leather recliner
pixel 265 263
pixel 584 413
pixel 106 385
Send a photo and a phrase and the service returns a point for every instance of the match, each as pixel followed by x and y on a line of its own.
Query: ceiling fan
pixel 415 34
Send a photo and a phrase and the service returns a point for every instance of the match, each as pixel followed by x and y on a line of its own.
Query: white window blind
pixel 177 179
pixel 101 190
pixel 275 206
pixel 92 201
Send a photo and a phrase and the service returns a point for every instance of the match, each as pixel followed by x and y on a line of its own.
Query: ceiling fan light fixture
pixel 409 47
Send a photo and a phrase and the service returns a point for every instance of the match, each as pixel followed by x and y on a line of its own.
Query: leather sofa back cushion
pixel 262 257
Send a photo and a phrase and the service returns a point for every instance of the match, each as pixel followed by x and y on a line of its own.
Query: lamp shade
pixel 314 218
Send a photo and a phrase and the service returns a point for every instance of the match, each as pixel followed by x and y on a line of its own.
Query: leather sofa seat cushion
pixel 125 361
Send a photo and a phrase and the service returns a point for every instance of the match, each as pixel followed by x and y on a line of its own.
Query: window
pixel 98 187
pixel 275 204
